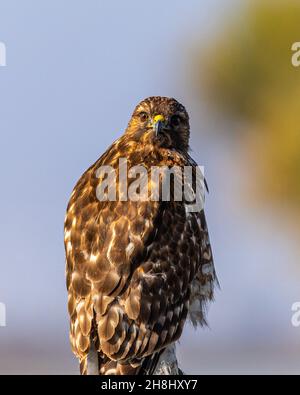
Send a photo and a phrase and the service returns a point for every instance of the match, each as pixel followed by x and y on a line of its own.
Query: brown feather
pixel 135 269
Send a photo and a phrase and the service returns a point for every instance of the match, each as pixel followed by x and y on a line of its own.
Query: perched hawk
pixel 136 269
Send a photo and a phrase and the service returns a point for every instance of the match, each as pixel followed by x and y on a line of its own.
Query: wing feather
pixel 140 265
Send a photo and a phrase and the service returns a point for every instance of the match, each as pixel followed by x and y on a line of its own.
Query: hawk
pixel 137 269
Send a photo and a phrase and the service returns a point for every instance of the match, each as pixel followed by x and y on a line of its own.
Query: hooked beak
pixel 158 124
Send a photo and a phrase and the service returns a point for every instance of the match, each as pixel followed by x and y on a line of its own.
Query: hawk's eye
pixel 143 116
pixel 175 120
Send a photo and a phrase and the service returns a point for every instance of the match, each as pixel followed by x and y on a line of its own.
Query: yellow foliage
pixel 249 76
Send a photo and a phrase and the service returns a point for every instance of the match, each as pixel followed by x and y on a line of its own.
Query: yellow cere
pixel 158 118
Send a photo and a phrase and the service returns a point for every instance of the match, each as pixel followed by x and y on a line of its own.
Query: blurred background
pixel 75 71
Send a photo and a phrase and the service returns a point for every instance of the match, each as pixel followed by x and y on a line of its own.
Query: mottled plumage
pixel 135 270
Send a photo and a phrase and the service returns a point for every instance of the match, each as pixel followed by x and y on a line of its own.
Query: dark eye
pixel 143 116
pixel 175 120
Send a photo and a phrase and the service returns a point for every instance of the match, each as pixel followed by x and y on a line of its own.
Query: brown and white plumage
pixel 136 269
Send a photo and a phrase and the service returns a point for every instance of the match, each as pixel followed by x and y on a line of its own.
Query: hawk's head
pixel 160 121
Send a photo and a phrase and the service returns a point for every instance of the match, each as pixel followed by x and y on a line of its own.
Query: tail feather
pixel 163 362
